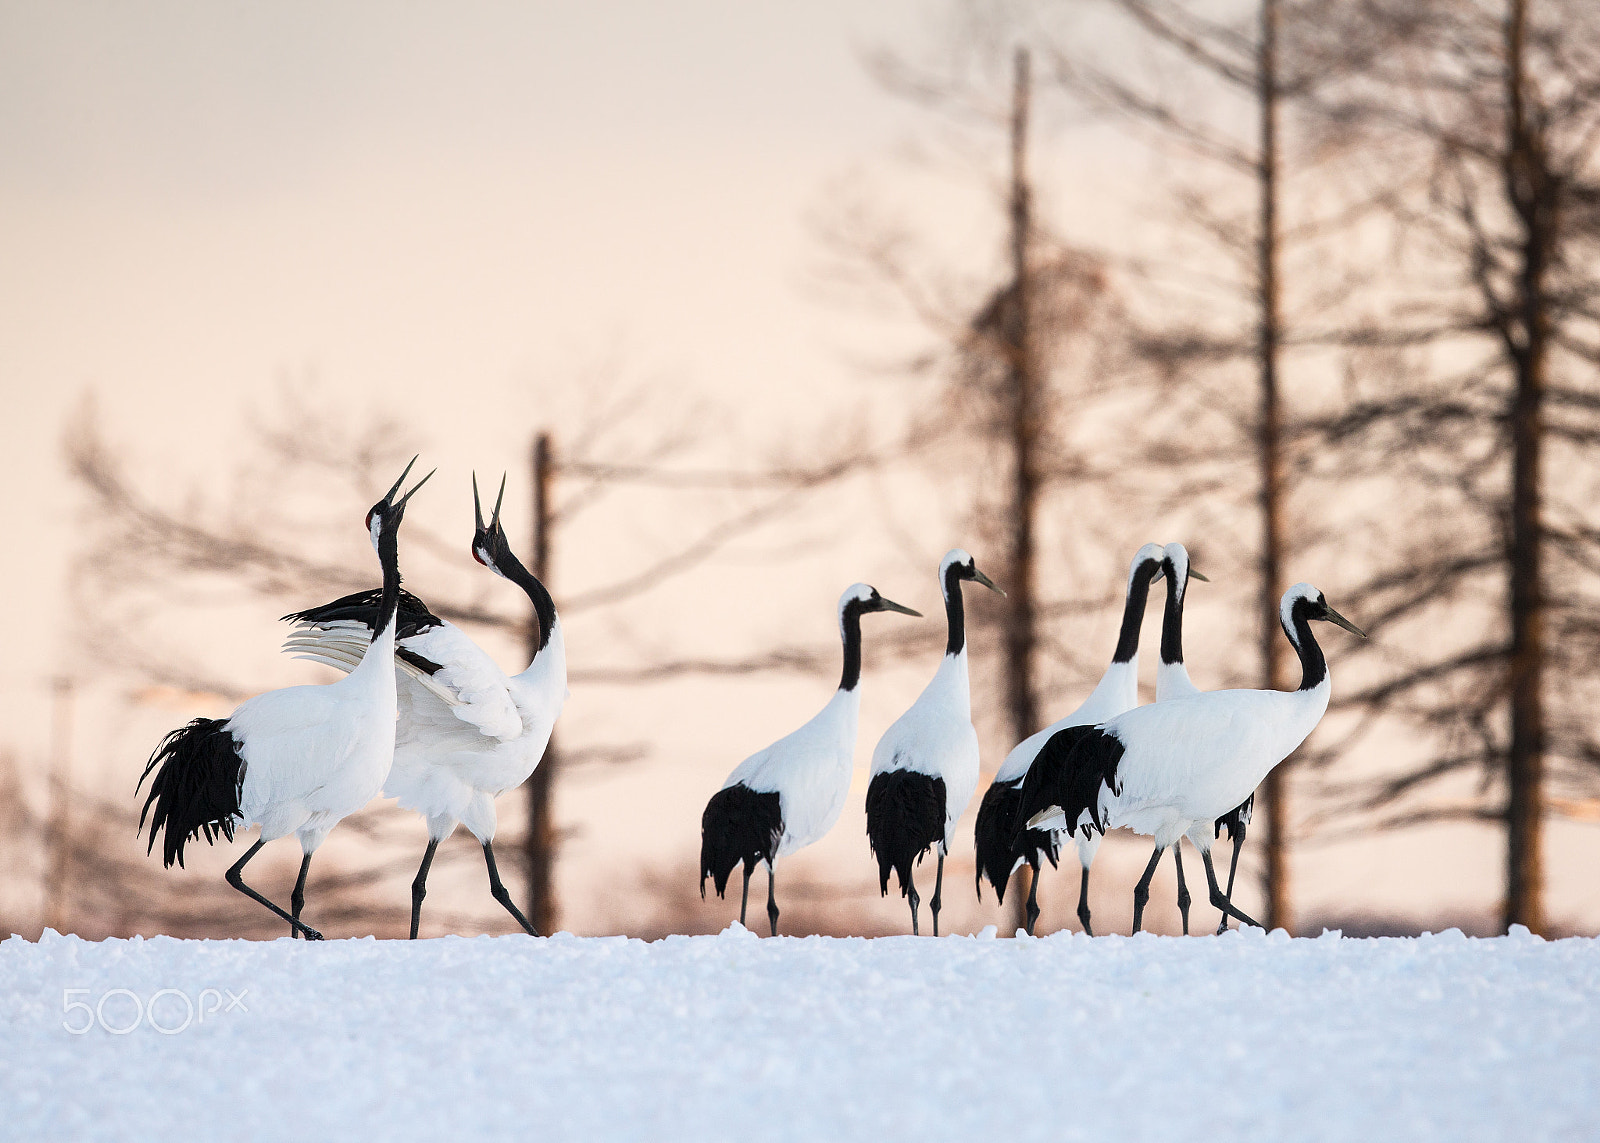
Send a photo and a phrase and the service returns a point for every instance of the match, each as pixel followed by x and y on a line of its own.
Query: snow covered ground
pixel 1248 1036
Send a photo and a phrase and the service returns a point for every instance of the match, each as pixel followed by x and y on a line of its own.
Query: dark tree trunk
pixel 1531 192
pixel 1270 462
pixel 1023 412
pixel 539 846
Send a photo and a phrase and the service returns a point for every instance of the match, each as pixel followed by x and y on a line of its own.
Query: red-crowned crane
pixel 1172 681
pixel 296 760
pixel 468 732
pixel 925 767
pixel 789 795
pixel 1161 770
pixel 1001 849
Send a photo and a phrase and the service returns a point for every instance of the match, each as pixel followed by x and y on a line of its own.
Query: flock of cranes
pixel 1186 765
pixel 423 715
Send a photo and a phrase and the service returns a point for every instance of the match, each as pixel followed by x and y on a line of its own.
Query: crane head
pixel 387 513
pixel 489 541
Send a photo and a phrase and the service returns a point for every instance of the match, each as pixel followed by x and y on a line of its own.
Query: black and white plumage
pixel 467 731
pixel 1001 848
pixel 790 794
pixel 1172 681
pixel 296 760
pixel 925 767
pixel 1161 770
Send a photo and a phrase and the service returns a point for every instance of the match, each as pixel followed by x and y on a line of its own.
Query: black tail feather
pixel 1075 764
pixel 739 825
pixel 198 773
pixel 1235 820
pixel 905 818
pixel 1000 845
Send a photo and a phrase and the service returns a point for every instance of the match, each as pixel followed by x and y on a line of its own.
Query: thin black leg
pixel 1032 910
pixel 419 887
pixel 911 895
pixel 1141 891
pixel 297 899
pixel 236 879
pixel 1083 903
pixel 500 894
pixel 1218 901
pixel 938 892
pixel 1183 890
pixel 772 899
pixel 744 899
pixel 1233 867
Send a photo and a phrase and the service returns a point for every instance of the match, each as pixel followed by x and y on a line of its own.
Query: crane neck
pixel 544 607
pixel 1133 614
pixel 389 601
pixel 850 634
pixel 954 611
pixel 1172 622
pixel 1313 664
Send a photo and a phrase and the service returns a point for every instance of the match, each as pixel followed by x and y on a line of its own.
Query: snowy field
pixel 732 1037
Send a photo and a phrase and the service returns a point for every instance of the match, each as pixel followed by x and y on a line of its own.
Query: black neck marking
pixel 389 558
pixel 543 606
pixel 1313 666
pixel 1172 618
pixel 954 611
pixel 850 621
pixel 1133 611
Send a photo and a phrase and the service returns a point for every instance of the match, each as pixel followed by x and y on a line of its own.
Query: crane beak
pixel 477 505
pixel 1196 575
pixel 1334 617
pixel 401 503
pixel 494 521
pixel 985 580
pixel 1161 570
pixel 891 605
pixel 388 497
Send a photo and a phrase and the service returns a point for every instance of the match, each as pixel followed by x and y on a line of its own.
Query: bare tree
pixel 1265 274
pixel 1483 119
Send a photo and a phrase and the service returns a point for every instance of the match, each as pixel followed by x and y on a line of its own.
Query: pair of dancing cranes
pixel 1186 765
pixel 423 715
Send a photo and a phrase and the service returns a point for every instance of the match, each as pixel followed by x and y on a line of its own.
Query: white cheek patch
pixel 377 526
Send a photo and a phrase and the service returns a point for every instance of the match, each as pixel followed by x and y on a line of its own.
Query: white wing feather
pixel 468 682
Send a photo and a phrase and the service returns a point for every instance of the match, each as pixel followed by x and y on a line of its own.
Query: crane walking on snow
pixel 1172 681
pixel 467 731
pixel 1001 848
pixel 925 767
pixel 296 760
pixel 789 795
pixel 1162 769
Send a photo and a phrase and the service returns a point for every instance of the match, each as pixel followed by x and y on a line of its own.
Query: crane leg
pixel 1141 891
pixel 419 887
pixel 1183 890
pixel 744 898
pixel 1032 910
pixel 1218 901
pixel 499 891
pixel 772 899
pixel 938 893
pixel 235 877
pixel 1233 867
pixel 297 899
pixel 911 895
pixel 1083 903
